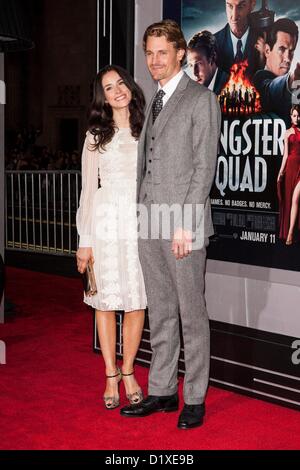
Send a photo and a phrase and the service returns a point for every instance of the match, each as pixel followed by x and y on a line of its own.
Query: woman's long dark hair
pixel 100 121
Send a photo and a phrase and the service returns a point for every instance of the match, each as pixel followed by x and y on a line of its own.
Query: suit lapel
pixel 228 41
pixel 217 82
pixel 171 104
pixel 147 116
pixel 141 143
pixel 250 50
pixel 221 79
pixel 251 40
pixel 161 121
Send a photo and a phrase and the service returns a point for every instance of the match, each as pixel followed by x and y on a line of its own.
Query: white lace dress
pixel 107 222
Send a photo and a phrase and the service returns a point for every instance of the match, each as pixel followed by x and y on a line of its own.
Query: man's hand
pixel 260 47
pixel 83 256
pixel 182 243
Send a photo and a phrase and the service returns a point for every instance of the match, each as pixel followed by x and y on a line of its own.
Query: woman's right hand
pixel 83 255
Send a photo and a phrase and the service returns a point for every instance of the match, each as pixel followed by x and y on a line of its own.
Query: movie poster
pixel 248 53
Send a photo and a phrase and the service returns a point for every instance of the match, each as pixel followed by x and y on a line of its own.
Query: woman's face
pixel 116 93
pixel 295 118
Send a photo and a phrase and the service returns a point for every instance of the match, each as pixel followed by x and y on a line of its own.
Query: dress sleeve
pixel 89 186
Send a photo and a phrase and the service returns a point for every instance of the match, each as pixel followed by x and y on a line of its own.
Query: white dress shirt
pixel 213 81
pixel 234 40
pixel 170 86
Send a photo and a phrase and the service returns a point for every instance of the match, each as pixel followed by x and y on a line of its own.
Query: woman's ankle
pixel 127 369
pixel 112 370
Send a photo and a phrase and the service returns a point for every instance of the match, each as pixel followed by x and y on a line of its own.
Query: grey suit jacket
pixel 184 150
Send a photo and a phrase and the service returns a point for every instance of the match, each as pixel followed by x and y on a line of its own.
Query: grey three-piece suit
pixel 176 165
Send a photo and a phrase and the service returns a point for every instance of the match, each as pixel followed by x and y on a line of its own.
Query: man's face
pixel 203 70
pixel 279 59
pixel 237 14
pixel 163 59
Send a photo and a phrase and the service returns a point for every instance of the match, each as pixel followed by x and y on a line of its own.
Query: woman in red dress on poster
pixel 289 181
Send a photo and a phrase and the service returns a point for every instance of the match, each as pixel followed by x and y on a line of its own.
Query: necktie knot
pixel 160 94
pixel 157 104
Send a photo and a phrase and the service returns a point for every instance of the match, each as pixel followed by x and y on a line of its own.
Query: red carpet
pixel 52 384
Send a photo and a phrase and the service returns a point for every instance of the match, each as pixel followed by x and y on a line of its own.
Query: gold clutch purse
pixel 89 281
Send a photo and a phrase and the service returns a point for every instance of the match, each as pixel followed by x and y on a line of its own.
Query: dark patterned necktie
pixel 239 53
pixel 157 105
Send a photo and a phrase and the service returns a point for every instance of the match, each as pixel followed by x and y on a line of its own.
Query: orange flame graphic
pixel 239 96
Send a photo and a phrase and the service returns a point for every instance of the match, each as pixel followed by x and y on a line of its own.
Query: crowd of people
pixel 24 153
pixel 241 100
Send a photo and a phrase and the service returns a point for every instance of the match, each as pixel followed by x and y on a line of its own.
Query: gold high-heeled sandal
pixel 114 401
pixel 135 397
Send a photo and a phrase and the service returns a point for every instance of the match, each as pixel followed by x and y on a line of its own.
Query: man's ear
pixel 180 54
pixel 213 59
pixel 267 50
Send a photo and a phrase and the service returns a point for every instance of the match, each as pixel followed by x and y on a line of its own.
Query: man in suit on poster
pixel 176 166
pixel 202 58
pixel 275 82
pixel 236 41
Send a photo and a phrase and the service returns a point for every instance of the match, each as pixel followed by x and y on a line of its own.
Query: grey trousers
pixel 176 287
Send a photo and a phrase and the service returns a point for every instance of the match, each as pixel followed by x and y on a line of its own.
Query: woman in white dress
pixel 107 223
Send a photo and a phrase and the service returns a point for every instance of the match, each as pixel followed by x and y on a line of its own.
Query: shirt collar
pixel 213 81
pixel 234 40
pixel 171 85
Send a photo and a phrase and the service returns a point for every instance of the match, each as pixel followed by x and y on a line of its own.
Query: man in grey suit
pixel 176 166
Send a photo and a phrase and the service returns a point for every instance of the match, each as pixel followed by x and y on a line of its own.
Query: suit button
pixel 153 138
pixel 151 149
pixel 149 172
pixel 150 161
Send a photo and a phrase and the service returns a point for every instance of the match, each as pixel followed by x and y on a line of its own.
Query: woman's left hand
pixel 83 256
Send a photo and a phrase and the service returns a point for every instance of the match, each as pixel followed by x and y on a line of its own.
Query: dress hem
pixel 119 308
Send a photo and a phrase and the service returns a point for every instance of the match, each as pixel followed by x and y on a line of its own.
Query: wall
pixel 53 80
pixel 253 296
pixel 146 13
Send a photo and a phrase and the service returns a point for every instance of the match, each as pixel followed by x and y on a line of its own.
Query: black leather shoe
pixel 150 405
pixel 191 416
